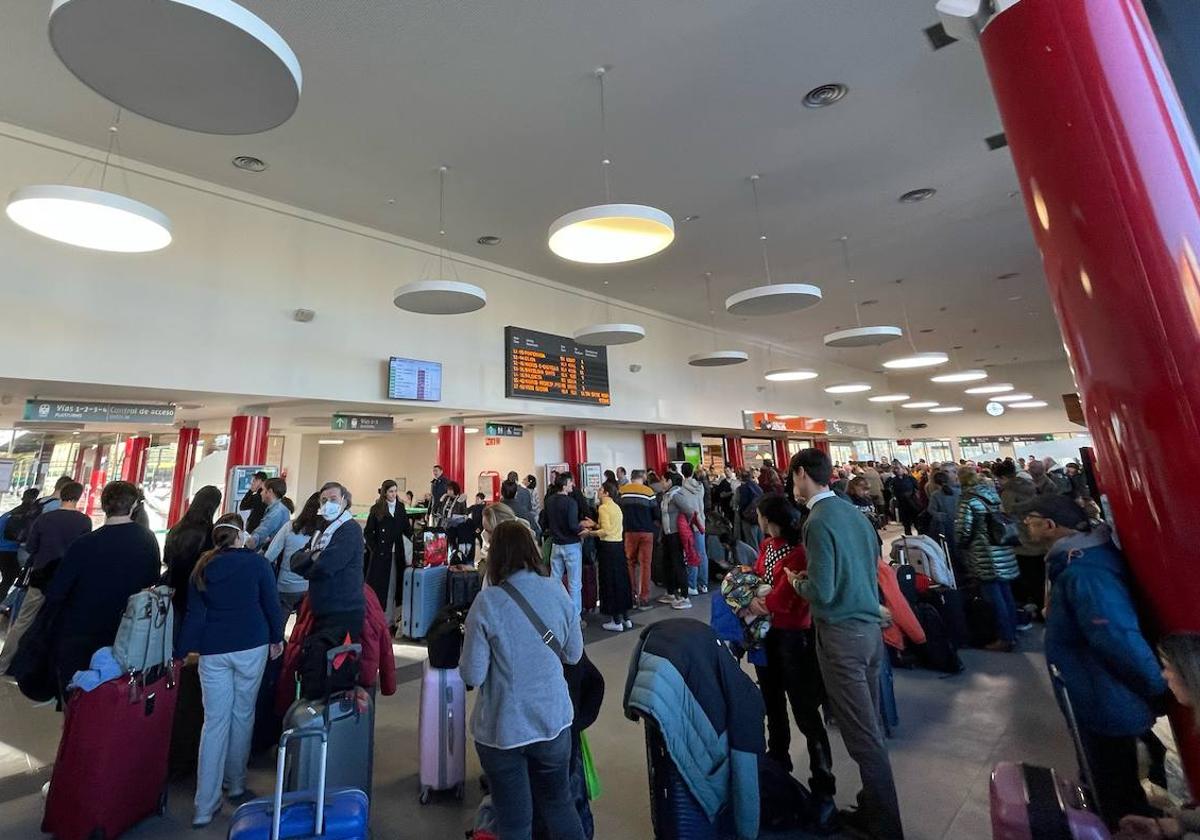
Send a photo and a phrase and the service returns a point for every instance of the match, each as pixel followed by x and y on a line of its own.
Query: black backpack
pixel 939 652
pixel 19 523
pixel 1001 529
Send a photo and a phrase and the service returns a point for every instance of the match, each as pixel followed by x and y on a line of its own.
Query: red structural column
pixel 185 459
pixel 95 483
pixel 821 443
pixel 654 444
pixel 1106 163
pixel 77 469
pixel 452 453
pixel 734 456
pixel 133 465
pixel 575 449
pixel 782 456
pixel 247 441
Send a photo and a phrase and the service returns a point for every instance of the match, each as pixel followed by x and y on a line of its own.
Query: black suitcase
pixel 939 652
pixel 462 585
pixel 674 812
pixel 949 604
pixel 658 562
pixel 185 730
pixel 981 619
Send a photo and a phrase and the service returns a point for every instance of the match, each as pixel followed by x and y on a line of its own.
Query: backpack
pixel 1000 528
pixel 939 652
pixel 147 629
pixel 18 524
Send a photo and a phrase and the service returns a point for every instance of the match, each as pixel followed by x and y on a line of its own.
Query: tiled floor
pixel 952 731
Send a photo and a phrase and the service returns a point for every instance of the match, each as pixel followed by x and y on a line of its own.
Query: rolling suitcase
pixel 591 587
pixel 111 768
pixel 330 815
pixel 443 732
pixel 674 812
pixel 1036 803
pixel 463 584
pixel 189 720
pixel 424 595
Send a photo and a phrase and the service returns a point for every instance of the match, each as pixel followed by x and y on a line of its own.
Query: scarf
pixel 320 540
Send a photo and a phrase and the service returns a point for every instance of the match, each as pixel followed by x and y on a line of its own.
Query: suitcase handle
pixel 277 805
pixel 330 655
pixel 1085 767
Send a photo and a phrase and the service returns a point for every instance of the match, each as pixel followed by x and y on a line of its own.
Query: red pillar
pixel 1102 150
pixel 654 444
pixel 822 444
pixel 247 441
pixel 185 459
pixel 733 453
pixel 782 456
pixel 452 453
pixel 95 483
pixel 133 465
pixel 77 469
pixel 575 449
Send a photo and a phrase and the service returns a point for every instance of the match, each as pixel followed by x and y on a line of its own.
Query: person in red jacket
pixel 791 673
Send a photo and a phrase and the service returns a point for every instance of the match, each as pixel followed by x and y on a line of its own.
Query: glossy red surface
pixel 734 456
pixel 1107 165
pixel 452 453
pixel 782 456
pixel 185 458
pixel 133 465
pixel 575 449
pixel 654 445
pixel 247 441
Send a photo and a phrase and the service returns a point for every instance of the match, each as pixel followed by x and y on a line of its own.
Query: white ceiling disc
pixel 946 409
pixel 773 299
pixel 1029 404
pixel 889 398
pixel 917 360
pixel 606 335
pixel 203 65
pixel 440 297
pixel 1012 398
pixel 87 218
pixel 959 376
pixel 863 336
pixel 998 388
pixel 790 375
pixel 848 388
pixel 611 233
pixel 718 358
pixel 920 404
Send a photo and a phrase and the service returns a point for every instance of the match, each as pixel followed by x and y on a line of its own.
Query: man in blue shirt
pixel 274 517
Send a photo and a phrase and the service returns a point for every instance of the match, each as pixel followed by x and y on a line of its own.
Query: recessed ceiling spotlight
pixel 249 163
pixel 914 196
pixel 920 404
pixel 303 316
pixel 888 398
pixel 488 240
pixel 848 388
pixel 691 218
pixel 990 389
pixel 825 95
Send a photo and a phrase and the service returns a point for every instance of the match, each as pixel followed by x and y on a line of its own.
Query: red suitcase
pixel 111 769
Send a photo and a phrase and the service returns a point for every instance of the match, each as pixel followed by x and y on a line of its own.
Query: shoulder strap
pixel 548 638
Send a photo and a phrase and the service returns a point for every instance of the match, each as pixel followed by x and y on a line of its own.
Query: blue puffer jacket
pixel 1092 635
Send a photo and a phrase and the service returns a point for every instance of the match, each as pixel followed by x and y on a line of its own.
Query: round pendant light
pixel 990 389
pixel 863 336
pixel 959 376
pixel 946 409
pixel 611 233
pixel 920 404
pixel 718 358
pixel 917 360
pixel 203 65
pixel 1029 404
pixel 848 388
pixel 608 335
pixel 440 297
pixel 773 299
pixel 1012 398
pixel 790 375
pixel 87 218
pixel 889 398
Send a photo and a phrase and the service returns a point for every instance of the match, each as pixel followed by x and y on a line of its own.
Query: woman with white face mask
pixel 333 566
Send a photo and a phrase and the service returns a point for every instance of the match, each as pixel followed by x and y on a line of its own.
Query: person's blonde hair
pixel 967 477
pixel 496 513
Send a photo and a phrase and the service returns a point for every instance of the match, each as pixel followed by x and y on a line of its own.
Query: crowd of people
pixel 1023 532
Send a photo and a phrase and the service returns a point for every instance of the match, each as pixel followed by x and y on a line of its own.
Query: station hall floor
pixel 952 731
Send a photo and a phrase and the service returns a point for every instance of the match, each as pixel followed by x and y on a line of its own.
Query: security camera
pixel 635 368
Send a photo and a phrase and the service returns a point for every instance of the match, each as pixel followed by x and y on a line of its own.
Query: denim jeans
pixel 568 559
pixel 702 550
pixel 999 594
pixel 535 774
pixel 692 570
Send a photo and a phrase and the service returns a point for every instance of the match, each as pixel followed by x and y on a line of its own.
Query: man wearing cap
pixel 1092 636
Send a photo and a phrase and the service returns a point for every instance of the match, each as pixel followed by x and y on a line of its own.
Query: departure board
pixel 541 366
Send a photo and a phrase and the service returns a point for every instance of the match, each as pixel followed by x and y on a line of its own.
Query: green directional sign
pixel 360 423
pixel 87 411
pixel 504 430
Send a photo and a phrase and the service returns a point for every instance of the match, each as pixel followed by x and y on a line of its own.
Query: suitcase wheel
pixel 425 795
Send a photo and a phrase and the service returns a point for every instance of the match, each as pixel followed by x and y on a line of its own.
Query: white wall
pixel 182 318
pixel 362 464
pixel 616 448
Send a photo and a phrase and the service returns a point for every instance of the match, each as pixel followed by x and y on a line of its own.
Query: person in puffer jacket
pixel 994 566
pixel 1092 636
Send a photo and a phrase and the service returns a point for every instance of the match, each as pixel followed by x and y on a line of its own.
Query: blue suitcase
pixel 424 595
pixel 338 815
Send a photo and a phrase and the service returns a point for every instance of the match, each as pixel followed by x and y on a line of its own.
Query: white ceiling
pixel 702 94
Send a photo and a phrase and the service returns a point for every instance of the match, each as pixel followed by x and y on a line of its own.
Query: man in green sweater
pixel 841 586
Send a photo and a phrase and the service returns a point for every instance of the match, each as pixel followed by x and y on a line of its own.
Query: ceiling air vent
pixel 938 37
pixel 825 95
pixel 249 163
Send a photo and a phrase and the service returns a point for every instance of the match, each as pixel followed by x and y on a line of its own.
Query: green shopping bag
pixel 589 768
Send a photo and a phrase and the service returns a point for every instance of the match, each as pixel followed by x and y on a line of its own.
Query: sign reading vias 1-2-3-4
pixel 84 411
pixel 361 423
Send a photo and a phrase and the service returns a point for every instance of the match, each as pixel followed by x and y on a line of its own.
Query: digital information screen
pixel 413 379
pixel 541 366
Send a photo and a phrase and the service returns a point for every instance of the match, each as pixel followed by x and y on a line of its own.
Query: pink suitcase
pixel 443 731
pixel 1035 803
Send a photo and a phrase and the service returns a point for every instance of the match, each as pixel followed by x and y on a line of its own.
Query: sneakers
pixel 682 604
pixel 667 599
pixel 613 627
pixel 693 591
pixel 644 605
pixel 629 626
pixel 1026 625
pixel 703 590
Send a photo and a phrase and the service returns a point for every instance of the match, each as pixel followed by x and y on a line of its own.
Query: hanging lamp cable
pixel 113 130
pixel 605 160
pixel 845 240
pixel 762 237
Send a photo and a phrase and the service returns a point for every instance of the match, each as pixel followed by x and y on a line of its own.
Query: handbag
pixel 147 627
pixel 302 561
pixel 589 768
pixel 437 549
